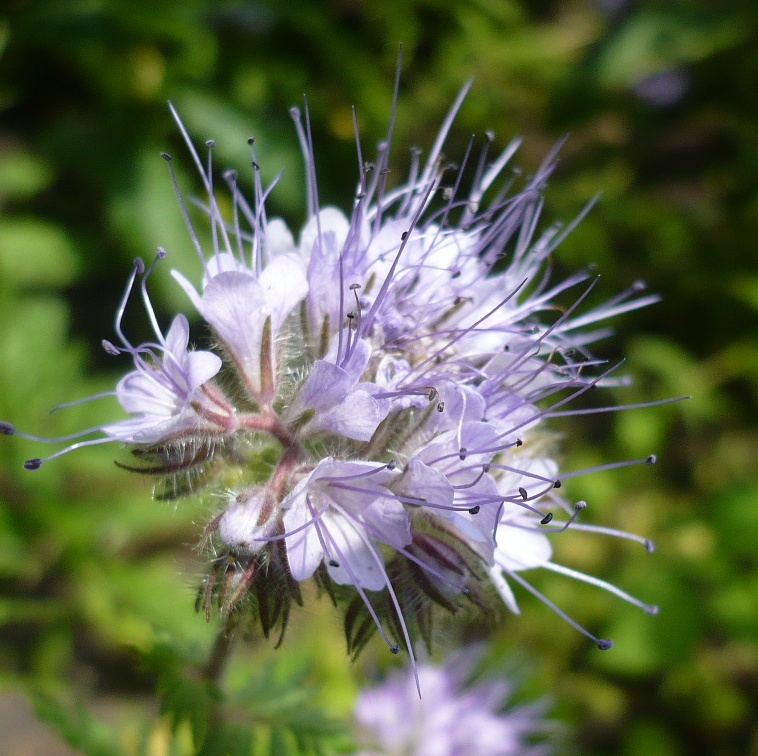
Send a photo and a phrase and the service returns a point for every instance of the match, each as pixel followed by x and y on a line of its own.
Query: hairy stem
pixel 221 652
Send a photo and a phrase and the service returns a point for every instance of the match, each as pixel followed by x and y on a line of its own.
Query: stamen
pixel 185 212
pixel 561 570
pixel 602 643
pixel 159 255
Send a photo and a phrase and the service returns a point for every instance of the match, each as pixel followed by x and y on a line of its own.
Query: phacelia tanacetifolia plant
pixel 373 413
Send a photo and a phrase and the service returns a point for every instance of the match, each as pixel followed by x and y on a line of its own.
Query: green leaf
pixel 78 727
pixel 23 174
pixel 34 252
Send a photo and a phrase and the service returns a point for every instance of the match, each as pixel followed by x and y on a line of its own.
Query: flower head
pixel 395 369
pixel 454 716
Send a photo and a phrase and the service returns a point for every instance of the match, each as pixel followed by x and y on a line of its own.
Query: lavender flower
pixel 398 365
pixel 453 717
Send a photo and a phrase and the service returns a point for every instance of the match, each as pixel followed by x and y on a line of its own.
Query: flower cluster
pixel 372 413
pixel 455 716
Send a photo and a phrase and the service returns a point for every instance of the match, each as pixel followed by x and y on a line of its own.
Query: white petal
pixel 278 237
pixel 357 562
pixel 304 549
pixel 504 589
pixel 284 283
pixel 356 417
pixel 521 549
pixel 334 227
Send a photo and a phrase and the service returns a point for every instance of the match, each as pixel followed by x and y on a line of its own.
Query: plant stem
pixel 222 651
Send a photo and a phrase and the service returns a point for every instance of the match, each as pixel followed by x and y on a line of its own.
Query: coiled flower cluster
pixel 371 415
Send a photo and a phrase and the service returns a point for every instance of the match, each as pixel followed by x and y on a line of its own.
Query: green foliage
pixel 78 727
pixel 271 714
pixel 97 580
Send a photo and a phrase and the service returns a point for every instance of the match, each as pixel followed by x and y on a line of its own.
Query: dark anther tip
pixel 334 563
pixel 522 491
pixel 395 649
pixel 519 442
pixel 474 510
pixel 557 484
pixel 166 156
pixel 604 644
pixel 160 253
pixel 210 143
pixel 486 468
pixel 392 464
pixel 251 140
pixel 546 519
pixel 651 460
pixel 139 265
pixel 404 236
pixel 652 609
pixel 33 464
pixel 7 429
pixel 649 546
pixel 441 407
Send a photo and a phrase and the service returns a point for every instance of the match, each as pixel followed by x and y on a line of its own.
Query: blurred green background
pixel 661 105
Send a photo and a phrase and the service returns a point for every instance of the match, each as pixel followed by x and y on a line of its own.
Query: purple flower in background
pixel 377 422
pixel 453 717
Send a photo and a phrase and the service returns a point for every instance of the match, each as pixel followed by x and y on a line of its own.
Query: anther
pixel 651 460
pixel 33 464
pixel 210 143
pixel 652 609
pixel 519 442
pixel 546 519
pixel 110 347
pixel 557 484
pixel 432 394
pixel 251 140
pixel 166 157
pixel 7 429
pixel 441 407
pixel 462 453
pixel 474 510
pixel 455 273
pixel 404 236
pixel 160 253
pixel 392 464
pixel 354 286
pixel 394 649
pixel 523 493
pixel 649 545
pixel 334 563
pixel 139 265
pixel 604 644
pixel 486 468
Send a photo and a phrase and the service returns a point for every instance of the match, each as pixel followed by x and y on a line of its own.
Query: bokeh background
pixel 660 103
